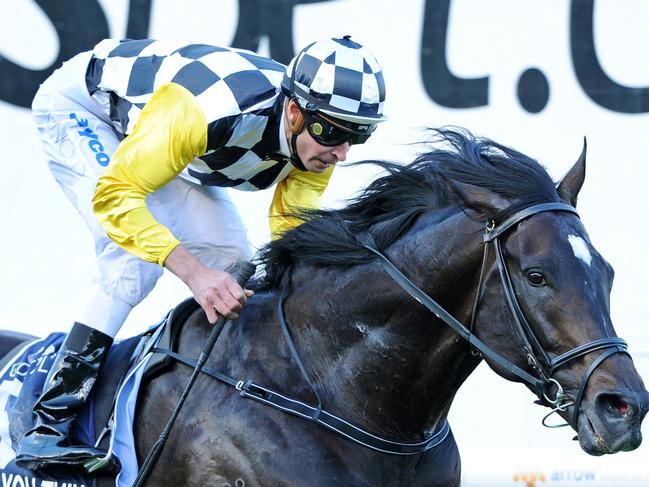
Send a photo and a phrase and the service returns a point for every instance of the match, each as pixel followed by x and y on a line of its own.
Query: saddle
pixel 21 381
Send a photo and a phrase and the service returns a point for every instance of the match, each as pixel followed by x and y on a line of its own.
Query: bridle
pixel 543 384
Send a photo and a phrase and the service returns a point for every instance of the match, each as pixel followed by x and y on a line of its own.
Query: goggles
pixel 330 133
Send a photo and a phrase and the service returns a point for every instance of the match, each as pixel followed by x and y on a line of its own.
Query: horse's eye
pixel 535 278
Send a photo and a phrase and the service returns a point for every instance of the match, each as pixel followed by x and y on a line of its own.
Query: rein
pixel 544 368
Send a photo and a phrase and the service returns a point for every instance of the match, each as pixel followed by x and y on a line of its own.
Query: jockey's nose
pixel 340 151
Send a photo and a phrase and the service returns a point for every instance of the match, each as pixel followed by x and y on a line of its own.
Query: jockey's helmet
pixel 340 80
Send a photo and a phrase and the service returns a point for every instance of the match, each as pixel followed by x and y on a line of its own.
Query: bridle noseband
pixel 543 365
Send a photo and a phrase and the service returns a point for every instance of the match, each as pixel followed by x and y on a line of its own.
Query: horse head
pixel 556 322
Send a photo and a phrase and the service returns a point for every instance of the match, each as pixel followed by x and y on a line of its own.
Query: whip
pixel 243 273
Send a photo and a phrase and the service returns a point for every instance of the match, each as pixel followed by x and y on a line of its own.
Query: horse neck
pixel 377 357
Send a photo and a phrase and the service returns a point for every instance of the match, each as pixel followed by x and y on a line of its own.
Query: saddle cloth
pixel 111 403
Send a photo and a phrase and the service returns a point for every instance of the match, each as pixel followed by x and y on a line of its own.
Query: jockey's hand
pixel 216 291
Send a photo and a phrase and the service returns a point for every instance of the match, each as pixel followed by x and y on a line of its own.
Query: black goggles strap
pixel 295 158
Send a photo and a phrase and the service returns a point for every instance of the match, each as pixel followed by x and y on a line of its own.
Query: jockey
pixel 144 137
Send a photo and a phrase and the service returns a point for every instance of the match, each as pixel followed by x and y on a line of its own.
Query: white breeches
pixel 79 142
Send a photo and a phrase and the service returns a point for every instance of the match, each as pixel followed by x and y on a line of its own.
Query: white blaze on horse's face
pixel 580 249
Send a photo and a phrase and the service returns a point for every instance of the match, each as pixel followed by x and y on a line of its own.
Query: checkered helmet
pixel 338 77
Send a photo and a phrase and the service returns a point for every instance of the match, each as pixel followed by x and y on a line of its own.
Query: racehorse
pixel 343 366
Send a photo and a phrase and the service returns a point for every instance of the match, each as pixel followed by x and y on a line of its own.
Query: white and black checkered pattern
pixel 239 92
pixel 339 77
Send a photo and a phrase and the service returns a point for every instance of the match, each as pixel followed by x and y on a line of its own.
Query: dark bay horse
pixel 501 269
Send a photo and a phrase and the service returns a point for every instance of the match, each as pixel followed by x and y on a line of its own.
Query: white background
pixel 47 252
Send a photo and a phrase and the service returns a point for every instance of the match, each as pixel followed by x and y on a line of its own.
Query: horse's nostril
pixel 618 405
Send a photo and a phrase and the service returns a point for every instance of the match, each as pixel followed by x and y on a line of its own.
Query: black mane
pixel 390 204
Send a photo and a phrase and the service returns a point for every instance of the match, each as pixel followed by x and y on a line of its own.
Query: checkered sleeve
pixel 170 132
pixel 300 190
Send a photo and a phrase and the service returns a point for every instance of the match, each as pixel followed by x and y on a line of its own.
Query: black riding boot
pixel 68 385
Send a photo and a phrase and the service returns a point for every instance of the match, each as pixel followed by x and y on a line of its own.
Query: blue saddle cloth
pixel 21 383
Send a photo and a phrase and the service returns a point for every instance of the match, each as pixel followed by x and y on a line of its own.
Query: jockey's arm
pixel 300 190
pixel 170 132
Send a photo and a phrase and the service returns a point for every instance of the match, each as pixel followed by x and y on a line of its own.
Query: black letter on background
pixel 272 18
pixel 139 17
pixel 440 84
pixel 592 78
pixel 79 25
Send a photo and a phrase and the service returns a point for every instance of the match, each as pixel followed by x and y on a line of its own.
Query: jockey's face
pixel 315 157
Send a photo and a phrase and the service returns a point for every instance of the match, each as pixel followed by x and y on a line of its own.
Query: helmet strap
pixel 295 159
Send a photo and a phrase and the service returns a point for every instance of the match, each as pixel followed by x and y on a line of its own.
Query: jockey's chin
pixel 318 158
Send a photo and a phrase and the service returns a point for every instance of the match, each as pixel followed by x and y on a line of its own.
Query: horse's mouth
pixel 592 435
pixel 591 442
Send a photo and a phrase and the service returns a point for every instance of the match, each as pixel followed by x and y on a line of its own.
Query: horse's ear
pixel 480 199
pixel 572 182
